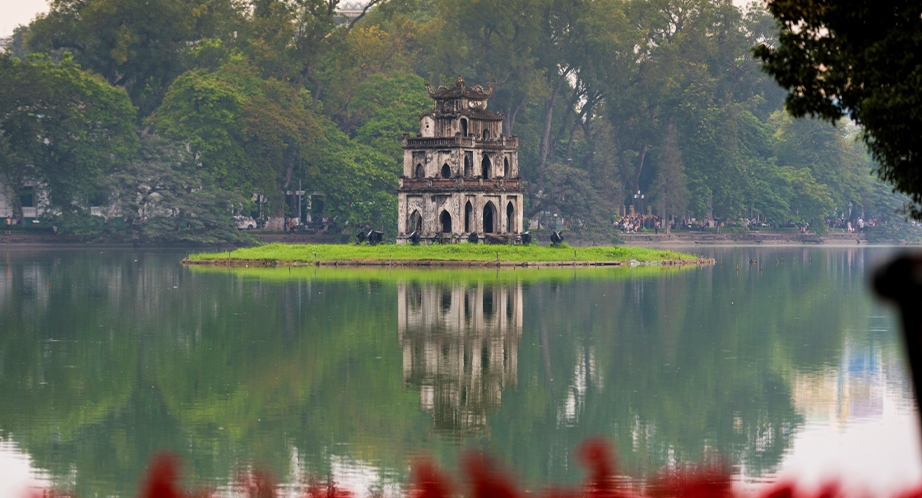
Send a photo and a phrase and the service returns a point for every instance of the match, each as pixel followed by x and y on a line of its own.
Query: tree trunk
pixel 545 145
pixel 509 120
pixel 635 181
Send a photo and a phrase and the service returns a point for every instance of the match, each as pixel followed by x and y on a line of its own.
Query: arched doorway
pixel 463 127
pixel 416 223
pixel 445 220
pixel 505 167
pixel 446 171
pixel 468 214
pixel 486 134
pixel 468 169
pixel 420 172
pixel 485 167
pixel 510 218
pixel 489 218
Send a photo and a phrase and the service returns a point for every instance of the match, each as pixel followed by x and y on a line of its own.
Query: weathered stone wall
pixel 430 208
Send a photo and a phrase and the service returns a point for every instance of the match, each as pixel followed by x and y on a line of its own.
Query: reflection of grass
pixel 442 275
pixel 452 252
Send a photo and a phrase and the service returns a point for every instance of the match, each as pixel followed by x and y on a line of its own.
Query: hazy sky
pixel 16 12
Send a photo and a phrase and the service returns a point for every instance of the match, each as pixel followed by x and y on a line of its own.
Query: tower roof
pixel 460 90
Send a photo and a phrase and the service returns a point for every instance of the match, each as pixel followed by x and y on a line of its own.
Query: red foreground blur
pixel 486 482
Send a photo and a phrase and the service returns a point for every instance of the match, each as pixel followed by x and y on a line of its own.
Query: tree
pixel 359 183
pixel 250 134
pixel 386 106
pixel 141 46
pixel 669 188
pixel 291 39
pixel 163 198
pixel 859 59
pixel 62 127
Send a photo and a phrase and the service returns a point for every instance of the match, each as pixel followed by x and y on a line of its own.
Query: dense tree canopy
pixel 857 59
pixel 63 127
pixel 661 100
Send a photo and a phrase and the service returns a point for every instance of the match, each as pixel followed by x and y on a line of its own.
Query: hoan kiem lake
pixel 786 367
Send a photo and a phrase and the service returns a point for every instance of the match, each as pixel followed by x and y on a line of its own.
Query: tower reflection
pixel 460 346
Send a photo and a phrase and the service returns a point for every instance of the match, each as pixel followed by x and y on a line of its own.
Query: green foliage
pixel 82 224
pixel 858 60
pixel 140 46
pixel 164 198
pixel 63 127
pixel 669 188
pixel 607 97
pixel 385 107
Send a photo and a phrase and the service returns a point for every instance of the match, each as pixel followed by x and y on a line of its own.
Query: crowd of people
pixel 851 226
pixel 636 222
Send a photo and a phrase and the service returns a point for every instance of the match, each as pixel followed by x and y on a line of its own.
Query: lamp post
pixel 638 198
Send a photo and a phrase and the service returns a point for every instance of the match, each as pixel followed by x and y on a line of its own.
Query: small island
pixel 452 255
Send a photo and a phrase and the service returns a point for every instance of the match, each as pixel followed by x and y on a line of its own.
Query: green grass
pixel 454 252
pixel 444 276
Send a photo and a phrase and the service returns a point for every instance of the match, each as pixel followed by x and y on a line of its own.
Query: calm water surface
pixel 783 367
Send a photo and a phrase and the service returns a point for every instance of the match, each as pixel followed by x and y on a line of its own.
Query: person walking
pixel 9 221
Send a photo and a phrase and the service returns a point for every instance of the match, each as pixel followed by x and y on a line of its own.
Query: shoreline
pixel 434 263
pixel 681 239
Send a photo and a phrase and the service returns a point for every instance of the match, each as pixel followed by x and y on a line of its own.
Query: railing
pixel 459 183
pixel 458 141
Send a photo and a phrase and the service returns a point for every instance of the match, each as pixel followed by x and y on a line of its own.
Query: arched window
pixel 485 167
pixel 505 167
pixel 445 220
pixel 468 214
pixel 420 172
pixel 463 127
pixel 446 171
pixel 416 223
pixel 489 218
pixel 510 218
pixel 486 134
pixel 468 169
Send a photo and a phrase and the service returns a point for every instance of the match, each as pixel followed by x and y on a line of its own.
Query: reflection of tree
pixel 682 366
pixel 460 348
pixel 104 359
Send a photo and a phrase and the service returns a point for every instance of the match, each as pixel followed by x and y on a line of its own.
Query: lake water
pixel 784 367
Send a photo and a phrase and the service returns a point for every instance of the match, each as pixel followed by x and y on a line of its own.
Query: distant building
pixel 460 174
pixel 32 198
pixel 350 10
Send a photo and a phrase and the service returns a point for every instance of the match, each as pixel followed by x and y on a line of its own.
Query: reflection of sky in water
pixel 860 426
pixel 16 472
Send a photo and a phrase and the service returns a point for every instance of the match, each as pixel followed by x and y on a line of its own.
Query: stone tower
pixel 460 174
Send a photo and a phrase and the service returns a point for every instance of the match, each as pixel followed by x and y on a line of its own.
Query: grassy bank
pixel 313 253
pixel 448 276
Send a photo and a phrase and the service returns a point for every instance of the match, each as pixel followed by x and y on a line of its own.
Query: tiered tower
pixel 460 174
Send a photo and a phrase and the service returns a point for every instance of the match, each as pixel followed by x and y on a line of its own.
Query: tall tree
pixel 861 59
pixel 250 134
pixel 669 188
pixel 141 46
pixel 291 40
